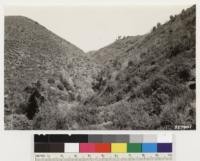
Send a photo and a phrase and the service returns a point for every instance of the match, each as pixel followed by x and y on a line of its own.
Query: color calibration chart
pixel 59 147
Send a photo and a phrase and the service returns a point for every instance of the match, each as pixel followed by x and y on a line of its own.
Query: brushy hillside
pixel 34 56
pixel 149 82
pixel 138 82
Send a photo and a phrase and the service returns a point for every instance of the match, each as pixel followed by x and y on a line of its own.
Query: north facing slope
pixel 150 81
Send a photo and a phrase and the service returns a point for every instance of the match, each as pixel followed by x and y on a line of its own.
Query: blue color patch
pixel 149 148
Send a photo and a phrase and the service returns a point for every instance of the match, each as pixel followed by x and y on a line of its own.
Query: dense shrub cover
pixel 137 82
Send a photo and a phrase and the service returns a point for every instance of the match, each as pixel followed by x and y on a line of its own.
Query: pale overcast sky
pixel 93 27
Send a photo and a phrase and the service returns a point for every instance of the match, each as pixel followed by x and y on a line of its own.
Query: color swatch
pixel 103 144
pixel 149 148
pixel 71 148
pixel 118 147
pixel 134 148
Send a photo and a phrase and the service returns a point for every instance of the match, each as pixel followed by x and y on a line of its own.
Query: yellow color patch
pixel 118 147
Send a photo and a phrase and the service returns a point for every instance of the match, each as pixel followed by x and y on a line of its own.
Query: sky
pixel 93 27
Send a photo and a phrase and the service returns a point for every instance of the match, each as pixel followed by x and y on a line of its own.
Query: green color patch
pixel 134 148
